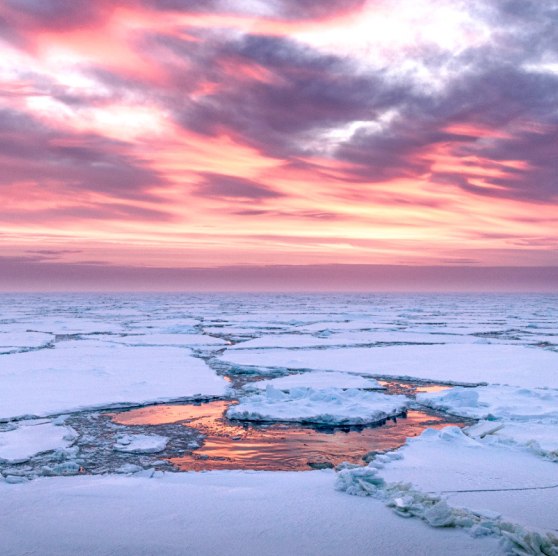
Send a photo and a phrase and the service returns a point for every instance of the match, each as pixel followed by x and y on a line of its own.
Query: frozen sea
pixel 219 423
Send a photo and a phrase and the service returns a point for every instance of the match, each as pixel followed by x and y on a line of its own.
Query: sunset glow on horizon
pixel 176 134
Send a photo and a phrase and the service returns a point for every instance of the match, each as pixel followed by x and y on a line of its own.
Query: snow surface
pixel 33 437
pixel 77 375
pixel 316 380
pixel 331 406
pixel 508 483
pixel 450 363
pixel 249 513
pixel 141 443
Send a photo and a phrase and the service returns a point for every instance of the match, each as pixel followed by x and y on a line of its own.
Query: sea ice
pixel 141 443
pixel 167 339
pixel 33 437
pixel 451 363
pixel 19 341
pixel 330 406
pixel 295 341
pixel 316 380
pixel 78 375
pixel 495 402
pixel 540 437
pixel 505 480
pixel 212 513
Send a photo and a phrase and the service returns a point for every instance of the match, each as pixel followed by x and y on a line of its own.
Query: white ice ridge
pixel 495 402
pixel 451 480
pixel 141 443
pixel 316 380
pixel 33 437
pixel 212 513
pixel 78 375
pixel 451 363
pixel 331 406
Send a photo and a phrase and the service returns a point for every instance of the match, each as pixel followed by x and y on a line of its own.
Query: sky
pixel 195 144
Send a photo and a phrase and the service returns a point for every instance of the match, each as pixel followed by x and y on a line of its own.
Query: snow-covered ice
pixel 450 363
pixel 29 438
pixel 168 339
pixel 20 341
pixel 495 402
pixel 249 513
pixel 141 443
pixel 316 380
pixel 349 338
pixel 77 375
pixel 540 437
pixel 505 483
pixel 330 406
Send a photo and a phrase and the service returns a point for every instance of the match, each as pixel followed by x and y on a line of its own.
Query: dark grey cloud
pixel 495 94
pixel 306 92
pixel 31 151
pixel 280 9
pixel 231 187
pixel 52 253
pixel 57 14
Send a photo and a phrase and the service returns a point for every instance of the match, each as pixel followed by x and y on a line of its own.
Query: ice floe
pixel 77 375
pixel 330 406
pixel 450 363
pixel 141 443
pixel 160 339
pixel 450 479
pixel 20 341
pixel 212 513
pixel 316 380
pixel 29 438
pixel 540 437
pixel 495 402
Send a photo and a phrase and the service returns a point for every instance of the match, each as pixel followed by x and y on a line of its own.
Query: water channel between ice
pixel 230 444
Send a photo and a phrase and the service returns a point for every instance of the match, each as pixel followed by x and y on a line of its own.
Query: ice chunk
pixel 499 402
pixel 540 437
pixel 327 406
pixel 141 443
pixel 31 438
pixel 316 380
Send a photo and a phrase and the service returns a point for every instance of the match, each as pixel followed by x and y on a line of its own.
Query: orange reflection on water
pixel 229 445
pixel 432 388
pixel 410 388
